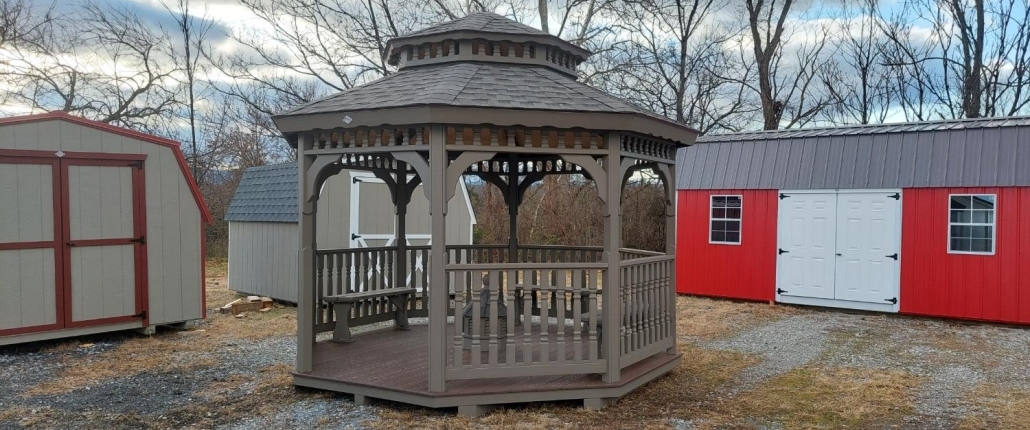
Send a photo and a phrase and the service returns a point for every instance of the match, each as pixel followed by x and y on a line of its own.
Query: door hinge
pixel 142 240
pixel 893 300
pixel 137 164
pixel 70 243
pixel 355 180
pixel 783 196
pixel 141 315
pixel 893 256
pixel 782 251
pixel 354 236
pixel 780 291
pixel 895 196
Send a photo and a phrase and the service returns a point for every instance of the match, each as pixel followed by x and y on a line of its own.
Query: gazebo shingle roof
pixel 478 85
pixel 483 21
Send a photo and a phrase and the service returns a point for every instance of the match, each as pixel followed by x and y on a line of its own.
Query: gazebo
pixel 507 323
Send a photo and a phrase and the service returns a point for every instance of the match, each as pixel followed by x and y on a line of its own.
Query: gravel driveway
pixel 240 375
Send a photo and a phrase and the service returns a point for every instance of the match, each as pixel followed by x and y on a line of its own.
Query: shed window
pixel 725 219
pixel 971 223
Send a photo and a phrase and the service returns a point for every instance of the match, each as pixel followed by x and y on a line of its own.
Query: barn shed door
pixel 868 241
pixel 373 221
pixel 104 242
pixel 807 243
pixel 839 249
pixel 30 251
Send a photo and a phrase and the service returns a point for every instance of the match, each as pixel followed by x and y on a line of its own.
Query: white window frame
pixel 993 225
pixel 711 202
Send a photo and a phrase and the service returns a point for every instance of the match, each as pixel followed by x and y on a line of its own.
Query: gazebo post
pixel 401 207
pixel 437 184
pixel 610 297
pixel 306 259
pixel 670 243
pixel 513 208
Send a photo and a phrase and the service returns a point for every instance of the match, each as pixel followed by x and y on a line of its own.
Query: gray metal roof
pixel 266 194
pixel 479 85
pixel 958 153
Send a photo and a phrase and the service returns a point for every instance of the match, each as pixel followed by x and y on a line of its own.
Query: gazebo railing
pixel 648 304
pixel 630 253
pixel 350 270
pixel 525 319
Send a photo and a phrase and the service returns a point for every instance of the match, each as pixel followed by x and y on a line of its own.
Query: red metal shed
pixel 927 218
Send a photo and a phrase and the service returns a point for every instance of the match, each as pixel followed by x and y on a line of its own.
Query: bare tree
pixel 788 80
pixel 675 64
pixel 194 33
pixel 21 23
pixel 859 83
pixel 975 62
pixel 107 64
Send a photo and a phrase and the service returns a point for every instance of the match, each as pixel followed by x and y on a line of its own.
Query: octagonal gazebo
pixel 507 323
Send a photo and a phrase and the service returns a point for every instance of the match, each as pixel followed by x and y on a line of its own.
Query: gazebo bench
pixel 342 304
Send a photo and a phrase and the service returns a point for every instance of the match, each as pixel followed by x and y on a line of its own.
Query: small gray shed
pixel 101 229
pixel 263 235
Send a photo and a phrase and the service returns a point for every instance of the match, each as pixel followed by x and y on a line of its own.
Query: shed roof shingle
pixel 266 194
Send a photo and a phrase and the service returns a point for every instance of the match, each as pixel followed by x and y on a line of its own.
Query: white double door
pixel 839 249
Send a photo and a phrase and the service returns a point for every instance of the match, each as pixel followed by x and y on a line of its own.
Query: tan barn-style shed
pixel 263 231
pixel 101 229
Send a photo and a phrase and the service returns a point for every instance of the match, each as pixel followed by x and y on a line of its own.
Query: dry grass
pixel 27 417
pixel 716 318
pixel 997 407
pixel 683 393
pixel 170 352
pixel 821 397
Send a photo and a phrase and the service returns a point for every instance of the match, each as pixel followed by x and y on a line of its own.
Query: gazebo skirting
pixel 531 328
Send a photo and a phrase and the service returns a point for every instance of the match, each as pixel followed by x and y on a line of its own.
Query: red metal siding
pixel 982 287
pixel 745 271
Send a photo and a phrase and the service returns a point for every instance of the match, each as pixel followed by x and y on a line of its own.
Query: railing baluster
pixel 319 286
pixel 459 306
pixel 477 322
pixel 545 320
pixel 560 292
pixel 593 312
pixel 577 316
pixel 527 318
pixel 495 326
pixel 509 315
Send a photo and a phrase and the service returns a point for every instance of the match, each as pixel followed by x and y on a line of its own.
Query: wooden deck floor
pixel 393 365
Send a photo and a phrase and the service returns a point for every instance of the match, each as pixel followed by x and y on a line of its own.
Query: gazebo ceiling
pixel 481 69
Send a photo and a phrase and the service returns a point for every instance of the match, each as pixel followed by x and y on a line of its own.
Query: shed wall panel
pixel 27 211
pixel 981 287
pixel 263 258
pixel 715 269
pixel 27 288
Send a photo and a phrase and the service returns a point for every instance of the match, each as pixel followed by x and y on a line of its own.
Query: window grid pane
pixel 725 216
pixel 971 223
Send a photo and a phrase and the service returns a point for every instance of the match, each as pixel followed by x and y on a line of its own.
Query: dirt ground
pixel 746 365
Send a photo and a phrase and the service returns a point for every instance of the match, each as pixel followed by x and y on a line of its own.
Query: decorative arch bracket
pixel 418 162
pixel 594 169
pixel 458 166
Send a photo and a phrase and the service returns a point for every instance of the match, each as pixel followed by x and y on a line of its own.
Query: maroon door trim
pixel 61 244
pixel 55 170
pixel 138 239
